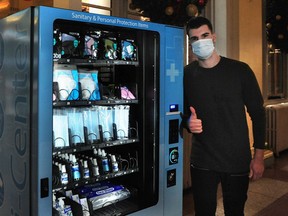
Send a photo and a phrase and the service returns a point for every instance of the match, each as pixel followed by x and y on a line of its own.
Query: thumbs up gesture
pixel 194 124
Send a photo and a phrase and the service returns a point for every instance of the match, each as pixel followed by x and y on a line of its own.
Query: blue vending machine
pixel 90 113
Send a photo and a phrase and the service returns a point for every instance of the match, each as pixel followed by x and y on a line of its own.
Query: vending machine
pixel 89 115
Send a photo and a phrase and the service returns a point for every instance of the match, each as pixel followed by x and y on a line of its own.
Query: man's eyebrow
pixel 193 38
pixel 205 34
pixel 196 37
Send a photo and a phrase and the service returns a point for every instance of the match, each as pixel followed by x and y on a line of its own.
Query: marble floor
pixel 267 196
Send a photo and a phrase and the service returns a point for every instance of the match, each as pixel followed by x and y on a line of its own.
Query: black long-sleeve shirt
pixel 220 96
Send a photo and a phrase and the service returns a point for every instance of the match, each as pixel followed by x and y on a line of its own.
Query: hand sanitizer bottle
pixel 64 175
pixel 65 210
pixel 86 172
pixel 114 164
pixel 95 168
pixel 105 163
pixel 75 169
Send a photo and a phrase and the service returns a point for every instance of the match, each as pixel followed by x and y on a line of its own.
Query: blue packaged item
pixel 67 78
pixel 89 84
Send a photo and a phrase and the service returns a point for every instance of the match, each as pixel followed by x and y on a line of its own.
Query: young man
pixel 217 93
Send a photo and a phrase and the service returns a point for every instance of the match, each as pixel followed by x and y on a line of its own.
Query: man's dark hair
pixel 196 22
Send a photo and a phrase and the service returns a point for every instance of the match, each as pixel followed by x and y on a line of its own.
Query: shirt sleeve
pixel 255 107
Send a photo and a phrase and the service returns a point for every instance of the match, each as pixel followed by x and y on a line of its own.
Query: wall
pixel 250 35
pixel 68 4
pixel 250 39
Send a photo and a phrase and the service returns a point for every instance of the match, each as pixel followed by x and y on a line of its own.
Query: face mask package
pixel 57 44
pixel 106 121
pixel 91 125
pixel 89 84
pixel 104 194
pixel 66 76
pixel 126 93
pixel 70 44
pixel 75 125
pixel 91 45
pixel 60 129
pixel 128 50
pixel 110 47
pixel 121 120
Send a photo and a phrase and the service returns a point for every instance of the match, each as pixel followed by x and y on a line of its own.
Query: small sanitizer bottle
pixel 105 163
pixel 64 175
pixel 95 168
pixel 86 172
pixel 75 169
pixel 114 164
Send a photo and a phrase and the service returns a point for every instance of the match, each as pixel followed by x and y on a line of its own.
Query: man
pixel 217 93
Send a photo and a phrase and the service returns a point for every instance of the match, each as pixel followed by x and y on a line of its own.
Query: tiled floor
pixel 265 196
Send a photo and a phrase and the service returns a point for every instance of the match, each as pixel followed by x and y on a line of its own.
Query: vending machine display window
pixel 109 151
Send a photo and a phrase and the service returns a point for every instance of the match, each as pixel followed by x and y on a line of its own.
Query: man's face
pixel 203 32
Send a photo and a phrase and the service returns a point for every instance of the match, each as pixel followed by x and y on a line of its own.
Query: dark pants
pixel 205 184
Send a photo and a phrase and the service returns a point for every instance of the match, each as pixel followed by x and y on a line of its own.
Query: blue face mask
pixel 203 48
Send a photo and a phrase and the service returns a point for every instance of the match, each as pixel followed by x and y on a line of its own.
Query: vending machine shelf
pixel 85 147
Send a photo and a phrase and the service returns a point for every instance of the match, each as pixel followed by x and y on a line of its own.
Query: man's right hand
pixel 194 124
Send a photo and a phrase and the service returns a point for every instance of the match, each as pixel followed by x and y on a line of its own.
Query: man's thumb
pixel 193 112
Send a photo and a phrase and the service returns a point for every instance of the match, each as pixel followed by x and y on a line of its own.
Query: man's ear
pixel 214 38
